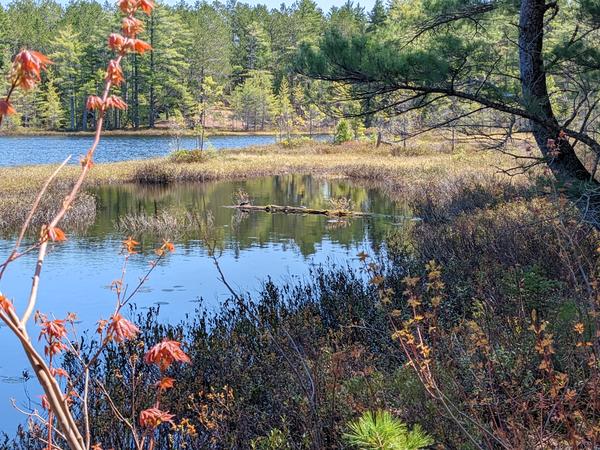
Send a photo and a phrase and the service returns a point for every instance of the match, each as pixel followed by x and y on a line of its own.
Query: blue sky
pixel 325 5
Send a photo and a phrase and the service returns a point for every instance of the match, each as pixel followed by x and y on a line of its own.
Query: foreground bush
pixel 500 356
pixel 381 431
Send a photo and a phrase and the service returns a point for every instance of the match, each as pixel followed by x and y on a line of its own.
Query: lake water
pixel 78 273
pixel 25 150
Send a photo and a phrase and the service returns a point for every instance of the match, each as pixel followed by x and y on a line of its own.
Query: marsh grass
pixel 302 360
pixel 192 156
pixel 174 224
pixel 437 185
pixel 15 207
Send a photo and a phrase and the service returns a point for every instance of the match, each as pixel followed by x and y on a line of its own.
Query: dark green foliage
pixel 496 76
pixel 377 16
pixel 258 348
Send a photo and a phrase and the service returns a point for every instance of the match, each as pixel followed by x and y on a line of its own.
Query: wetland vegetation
pixel 426 276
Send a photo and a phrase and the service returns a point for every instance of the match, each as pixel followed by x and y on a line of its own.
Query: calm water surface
pixel 78 273
pixel 25 150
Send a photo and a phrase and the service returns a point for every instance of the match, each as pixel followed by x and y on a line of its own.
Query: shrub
pixel 343 132
pixel 275 440
pixel 295 142
pixel 381 431
pixel 153 173
pixel 359 129
pixel 192 156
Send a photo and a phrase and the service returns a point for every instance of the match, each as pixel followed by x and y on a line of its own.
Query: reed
pixel 169 223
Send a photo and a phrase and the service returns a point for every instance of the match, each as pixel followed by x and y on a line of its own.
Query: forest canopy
pixel 498 68
pixel 206 55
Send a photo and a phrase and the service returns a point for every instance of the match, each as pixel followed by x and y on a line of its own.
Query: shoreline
pixel 150 132
pixel 414 176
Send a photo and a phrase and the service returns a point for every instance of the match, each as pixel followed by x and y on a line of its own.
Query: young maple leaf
pixel 117 42
pixel 5 304
pixel 56 234
pixel 121 329
pixel 130 245
pixel 114 101
pixel 132 26
pixel 165 353
pixel 94 102
pixel 138 46
pixel 27 66
pixel 127 6
pixel 6 108
pixel 165 383
pixel 147 6
pixel 153 417
pixel 114 73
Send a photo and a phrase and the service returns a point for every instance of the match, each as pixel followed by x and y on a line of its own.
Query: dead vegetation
pixel 436 185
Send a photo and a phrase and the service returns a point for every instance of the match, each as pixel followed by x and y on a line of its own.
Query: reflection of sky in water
pixel 78 273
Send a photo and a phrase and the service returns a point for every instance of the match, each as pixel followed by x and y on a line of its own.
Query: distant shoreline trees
pixel 227 44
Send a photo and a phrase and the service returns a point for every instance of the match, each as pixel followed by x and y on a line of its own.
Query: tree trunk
pixel 72 110
pixel 203 109
pixel 561 158
pixel 202 132
pixel 84 117
pixel 151 99
pixel 136 90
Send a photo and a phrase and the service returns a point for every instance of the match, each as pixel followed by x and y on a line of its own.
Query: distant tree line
pixel 213 64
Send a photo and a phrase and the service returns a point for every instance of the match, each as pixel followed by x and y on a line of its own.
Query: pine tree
pixel 349 18
pixel 67 55
pixel 32 23
pixel 258 49
pixel 51 110
pixel 284 110
pixel 191 42
pixel 212 94
pixel 308 20
pixel 377 16
pixel 163 74
pixel 253 100
pixel 5 40
pixel 210 50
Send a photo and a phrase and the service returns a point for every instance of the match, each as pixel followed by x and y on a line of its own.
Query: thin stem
pixel 86 417
pixel 67 204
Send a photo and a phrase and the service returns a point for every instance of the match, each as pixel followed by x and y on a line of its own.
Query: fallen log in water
pixel 300 210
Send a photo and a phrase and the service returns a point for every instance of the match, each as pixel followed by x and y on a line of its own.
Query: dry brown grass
pixel 436 184
pixel 14 207
pixel 167 223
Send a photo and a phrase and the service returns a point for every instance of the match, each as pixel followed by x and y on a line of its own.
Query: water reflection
pixel 258 229
pixel 77 273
